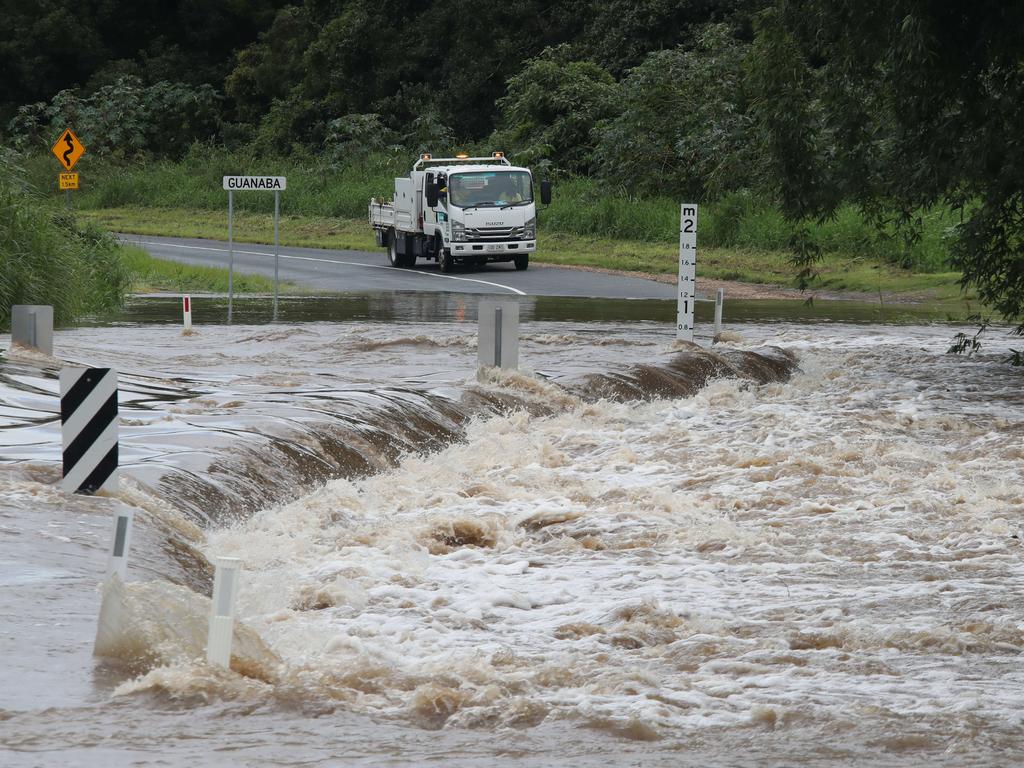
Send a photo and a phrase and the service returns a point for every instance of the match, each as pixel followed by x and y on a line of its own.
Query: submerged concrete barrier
pixel 498 341
pixel 32 326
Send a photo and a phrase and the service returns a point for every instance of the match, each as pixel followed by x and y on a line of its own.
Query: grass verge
pixel 151 275
pixel 837 273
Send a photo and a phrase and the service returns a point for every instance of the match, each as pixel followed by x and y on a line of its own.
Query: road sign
pixel 69 181
pixel 232 184
pixel 265 183
pixel 68 149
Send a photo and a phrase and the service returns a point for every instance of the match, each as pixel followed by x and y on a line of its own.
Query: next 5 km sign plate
pixel 257 183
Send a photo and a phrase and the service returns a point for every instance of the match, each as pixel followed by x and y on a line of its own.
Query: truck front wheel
pixel 522 261
pixel 445 260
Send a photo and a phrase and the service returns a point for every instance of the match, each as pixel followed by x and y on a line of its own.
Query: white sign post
pixel 275 184
pixel 222 611
pixel 687 271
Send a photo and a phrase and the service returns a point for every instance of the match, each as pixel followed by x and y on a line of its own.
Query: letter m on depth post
pixel 88 418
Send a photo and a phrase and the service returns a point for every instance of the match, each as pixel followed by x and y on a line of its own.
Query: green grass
pixel 320 190
pixel 47 257
pixel 741 238
pixel 150 275
pixel 838 273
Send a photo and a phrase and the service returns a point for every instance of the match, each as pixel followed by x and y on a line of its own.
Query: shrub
pixel 48 258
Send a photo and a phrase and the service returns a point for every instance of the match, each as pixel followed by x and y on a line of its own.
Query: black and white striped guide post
pixel 88 418
pixel 687 271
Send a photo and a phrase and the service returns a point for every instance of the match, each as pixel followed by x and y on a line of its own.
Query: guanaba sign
pixel 264 183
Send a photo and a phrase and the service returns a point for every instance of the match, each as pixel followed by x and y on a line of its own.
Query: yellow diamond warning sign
pixel 69 181
pixel 68 149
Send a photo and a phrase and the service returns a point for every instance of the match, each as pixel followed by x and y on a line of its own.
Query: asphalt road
pixel 369 271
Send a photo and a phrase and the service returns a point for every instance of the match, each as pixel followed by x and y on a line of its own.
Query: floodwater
pixel 799 547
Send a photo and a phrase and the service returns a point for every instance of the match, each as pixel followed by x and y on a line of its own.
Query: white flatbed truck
pixel 460 210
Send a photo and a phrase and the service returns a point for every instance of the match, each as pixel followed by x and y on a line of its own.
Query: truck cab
pixel 460 210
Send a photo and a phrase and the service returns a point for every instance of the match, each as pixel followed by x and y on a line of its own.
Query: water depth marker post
pixel 275 184
pixel 687 271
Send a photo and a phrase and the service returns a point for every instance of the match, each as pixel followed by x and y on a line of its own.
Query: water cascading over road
pixel 649 555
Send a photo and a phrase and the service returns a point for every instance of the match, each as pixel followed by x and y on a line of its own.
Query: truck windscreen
pixel 483 189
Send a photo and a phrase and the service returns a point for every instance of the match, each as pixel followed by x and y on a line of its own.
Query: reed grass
pixel 49 257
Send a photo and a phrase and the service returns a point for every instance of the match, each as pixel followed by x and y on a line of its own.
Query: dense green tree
pixel 269 68
pixel 900 105
pixel 126 118
pixel 620 33
pixel 551 108
pixel 47 46
pixel 683 127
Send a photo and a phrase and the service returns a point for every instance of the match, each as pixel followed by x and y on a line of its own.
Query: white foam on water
pixel 819 569
pixel 835 547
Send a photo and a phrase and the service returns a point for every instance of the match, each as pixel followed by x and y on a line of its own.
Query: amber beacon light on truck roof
pixel 461 157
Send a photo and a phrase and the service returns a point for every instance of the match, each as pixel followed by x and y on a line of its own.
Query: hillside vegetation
pixel 885 130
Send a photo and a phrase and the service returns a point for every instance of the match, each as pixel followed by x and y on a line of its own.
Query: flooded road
pixel 630 553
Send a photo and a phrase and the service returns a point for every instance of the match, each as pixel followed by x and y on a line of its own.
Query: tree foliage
pixel 551 108
pixel 127 118
pixel 682 124
pixel 47 46
pixel 898 106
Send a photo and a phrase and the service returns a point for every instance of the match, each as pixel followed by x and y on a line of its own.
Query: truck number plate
pixel 493 247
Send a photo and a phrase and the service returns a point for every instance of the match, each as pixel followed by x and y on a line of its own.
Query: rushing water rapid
pixel 630 553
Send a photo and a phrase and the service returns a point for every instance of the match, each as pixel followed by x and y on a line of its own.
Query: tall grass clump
pixel 47 258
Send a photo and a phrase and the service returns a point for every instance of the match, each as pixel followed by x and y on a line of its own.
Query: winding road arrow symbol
pixel 68 149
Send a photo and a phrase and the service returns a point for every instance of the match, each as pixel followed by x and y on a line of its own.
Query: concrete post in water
pixel 719 301
pixel 222 611
pixel 186 311
pixel 498 342
pixel 687 271
pixel 32 326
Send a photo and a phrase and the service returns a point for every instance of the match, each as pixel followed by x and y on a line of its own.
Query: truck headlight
pixel 458 231
pixel 530 229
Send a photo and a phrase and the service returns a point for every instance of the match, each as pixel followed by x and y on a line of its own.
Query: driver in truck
pixel 506 193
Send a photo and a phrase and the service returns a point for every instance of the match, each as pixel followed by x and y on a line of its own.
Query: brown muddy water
pixel 800 546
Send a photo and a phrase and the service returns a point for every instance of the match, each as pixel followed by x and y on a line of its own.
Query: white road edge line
pixel 325 261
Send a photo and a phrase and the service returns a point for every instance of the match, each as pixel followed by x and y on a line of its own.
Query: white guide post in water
pixel 110 626
pixel 687 271
pixel 719 302
pixel 222 611
pixel 498 335
pixel 186 311
pixel 120 544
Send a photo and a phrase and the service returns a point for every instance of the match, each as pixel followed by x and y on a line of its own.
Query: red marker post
pixel 186 308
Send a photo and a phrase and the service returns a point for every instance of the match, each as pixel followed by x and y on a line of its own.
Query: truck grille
pixel 494 233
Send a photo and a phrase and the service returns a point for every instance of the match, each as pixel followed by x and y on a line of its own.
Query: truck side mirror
pixel 430 187
pixel 545 192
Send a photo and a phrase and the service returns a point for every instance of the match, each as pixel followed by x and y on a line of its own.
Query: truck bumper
pixel 492 251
